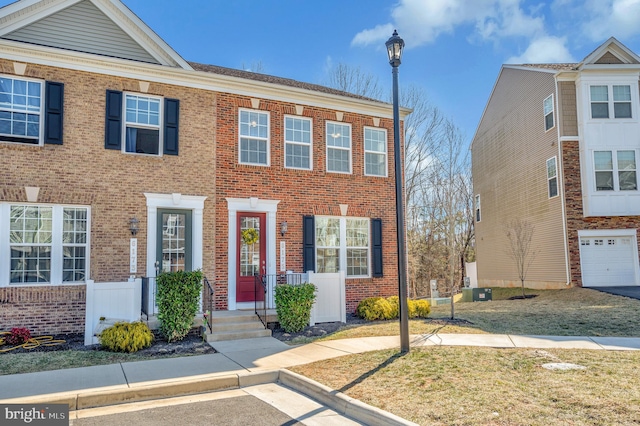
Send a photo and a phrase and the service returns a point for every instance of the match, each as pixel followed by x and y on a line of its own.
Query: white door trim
pixel 174 201
pixel 253 204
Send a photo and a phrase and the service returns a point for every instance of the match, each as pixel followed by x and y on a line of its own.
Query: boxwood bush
pixel 178 298
pixel 379 308
pixel 126 337
pixel 293 305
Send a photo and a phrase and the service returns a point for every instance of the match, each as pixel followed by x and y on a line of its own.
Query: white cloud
pixel 612 17
pixel 422 21
pixel 544 50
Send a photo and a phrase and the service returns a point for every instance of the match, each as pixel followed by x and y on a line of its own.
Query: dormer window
pixel 602 108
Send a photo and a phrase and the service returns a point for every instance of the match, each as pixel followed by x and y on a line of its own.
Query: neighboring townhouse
pixel 119 159
pixel 558 146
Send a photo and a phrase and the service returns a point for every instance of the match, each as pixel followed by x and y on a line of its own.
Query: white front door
pixel 608 260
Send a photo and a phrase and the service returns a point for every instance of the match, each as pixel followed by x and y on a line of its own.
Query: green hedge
pixel 293 305
pixel 178 298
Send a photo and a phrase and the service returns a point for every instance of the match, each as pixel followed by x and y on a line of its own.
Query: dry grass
pixel 485 386
pixel 571 312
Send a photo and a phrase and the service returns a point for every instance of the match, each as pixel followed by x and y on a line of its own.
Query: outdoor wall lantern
pixel 284 227
pixel 133 226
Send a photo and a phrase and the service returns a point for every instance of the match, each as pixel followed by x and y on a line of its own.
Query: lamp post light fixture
pixel 394 49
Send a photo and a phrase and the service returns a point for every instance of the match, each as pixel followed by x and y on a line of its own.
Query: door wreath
pixel 250 236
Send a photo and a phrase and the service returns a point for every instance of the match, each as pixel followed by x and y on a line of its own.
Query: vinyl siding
pixel 567 105
pixel 509 155
pixel 83 28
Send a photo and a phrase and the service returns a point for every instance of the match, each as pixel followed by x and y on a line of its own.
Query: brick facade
pixel 111 183
pixel 574 211
pixel 302 192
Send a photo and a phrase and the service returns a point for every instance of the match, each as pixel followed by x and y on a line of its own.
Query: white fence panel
pixel 121 300
pixel 331 303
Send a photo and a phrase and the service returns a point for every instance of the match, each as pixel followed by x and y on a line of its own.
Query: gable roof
pixel 101 27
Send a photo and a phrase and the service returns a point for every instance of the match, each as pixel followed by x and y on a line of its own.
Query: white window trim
pixel 350 149
pixel 310 144
pixel 552 112
pixel 160 125
pixel 42 105
pixel 555 160
pixel 267 139
pixel 56 247
pixel 386 152
pixel 615 171
pixel 611 102
pixel 342 250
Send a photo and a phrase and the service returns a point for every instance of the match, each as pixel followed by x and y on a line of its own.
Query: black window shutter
pixel 53 109
pixel 171 121
pixel 113 121
pixel 376 239
pixel 309 243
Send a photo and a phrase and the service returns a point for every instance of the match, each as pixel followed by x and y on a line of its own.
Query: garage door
pixel 608 261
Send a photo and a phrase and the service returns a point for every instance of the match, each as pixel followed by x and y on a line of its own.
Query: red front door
pixel 251 256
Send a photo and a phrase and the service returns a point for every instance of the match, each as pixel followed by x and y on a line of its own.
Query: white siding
pixel 83 28
pixel 608 134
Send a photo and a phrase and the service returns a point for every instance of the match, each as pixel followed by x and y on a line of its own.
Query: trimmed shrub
pixel 422 308
pixel 126 337
pixel 374 308
pixel 378 308
pixel 293 305
pixel 178 299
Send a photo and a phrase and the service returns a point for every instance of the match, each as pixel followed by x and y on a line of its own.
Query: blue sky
pixel 454 48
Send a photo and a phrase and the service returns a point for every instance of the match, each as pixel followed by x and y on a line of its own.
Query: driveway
pixel 627 291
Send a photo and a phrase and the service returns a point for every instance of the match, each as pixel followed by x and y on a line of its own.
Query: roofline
pixel 42 55
pixel 24 12
pixel 533 67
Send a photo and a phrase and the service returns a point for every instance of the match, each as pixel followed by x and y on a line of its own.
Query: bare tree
pixel 255 66
pixel 520 234
pixel 354 80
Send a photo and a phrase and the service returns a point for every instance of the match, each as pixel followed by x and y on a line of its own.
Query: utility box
pixel 481 294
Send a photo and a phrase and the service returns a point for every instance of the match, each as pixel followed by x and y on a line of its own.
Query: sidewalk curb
pixel 340 402
pixel 121 394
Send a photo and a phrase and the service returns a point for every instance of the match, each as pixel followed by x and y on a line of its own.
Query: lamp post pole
pixel 394 49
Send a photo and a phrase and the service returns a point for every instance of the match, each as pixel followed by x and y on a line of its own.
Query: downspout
pixel 561 191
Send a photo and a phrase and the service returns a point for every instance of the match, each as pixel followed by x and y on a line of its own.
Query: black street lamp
pixel 394 49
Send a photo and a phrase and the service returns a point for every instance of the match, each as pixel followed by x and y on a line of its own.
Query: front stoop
pixel 234 325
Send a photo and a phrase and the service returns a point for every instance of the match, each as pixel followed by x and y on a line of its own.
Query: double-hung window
pixel 297 142
pixel 375 152
pixel 142 124
pixel 615 170
pixel 20 110
pixel 342 243
pixel 552 177
pixel 477 207
pixel 46 244
pixel 338 147
pixel 254 137
pixel 601 107
pixel 548 113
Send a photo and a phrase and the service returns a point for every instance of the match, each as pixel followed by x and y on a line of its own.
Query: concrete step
pixel 239 326
pixel 236 335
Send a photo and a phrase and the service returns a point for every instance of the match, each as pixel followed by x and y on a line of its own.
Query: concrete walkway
pixel 250 362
